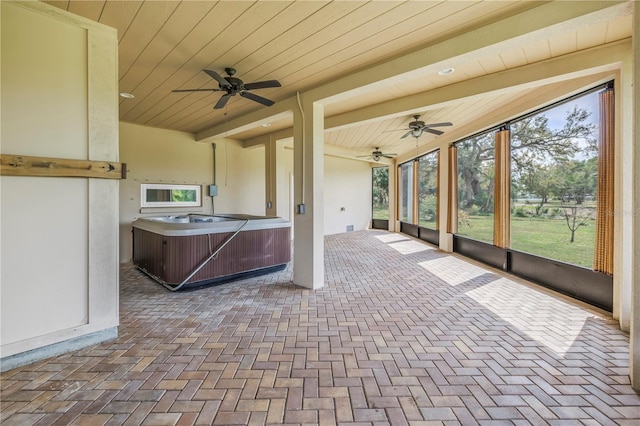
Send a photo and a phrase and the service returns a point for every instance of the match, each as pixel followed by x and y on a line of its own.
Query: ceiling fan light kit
pixel 417 127
pixel 234 86
pixel 376 155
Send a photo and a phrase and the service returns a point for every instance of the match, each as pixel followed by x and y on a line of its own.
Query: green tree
pixel 577 181
pixel 475 171
pixel 380 188
pixel 535 146
pixel 428 188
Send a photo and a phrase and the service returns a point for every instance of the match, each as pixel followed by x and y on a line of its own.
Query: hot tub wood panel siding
pixel 172 258
pixel 147 251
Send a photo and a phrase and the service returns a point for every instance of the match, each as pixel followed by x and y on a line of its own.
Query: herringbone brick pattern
pixel 400 334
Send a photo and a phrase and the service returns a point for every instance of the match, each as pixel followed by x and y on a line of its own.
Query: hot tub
pixel 192 250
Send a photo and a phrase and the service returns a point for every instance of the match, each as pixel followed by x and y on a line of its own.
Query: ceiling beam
pixel 532 25
pixel 278 111
pixel 546 19
pixel 574 65
pixel 568 67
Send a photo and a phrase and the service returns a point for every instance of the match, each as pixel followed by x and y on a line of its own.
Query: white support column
pixel 271 176
pixel 624 196
pixel 393 196
pixel 308 171
pixel 634 347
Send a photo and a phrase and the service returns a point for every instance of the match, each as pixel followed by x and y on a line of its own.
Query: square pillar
pixel 271 158
pixel 308 171
pixel 634 347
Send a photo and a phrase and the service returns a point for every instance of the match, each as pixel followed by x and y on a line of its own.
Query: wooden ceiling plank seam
pixel 184 75
pixel 263 35
pixel 89 9
pixel 224 37
pixel 181 22
pixel 563 45
pixel 260 115
pixel 290 22
pixel 60 4
pixel 526 75
pixel 371 51
pixel 120 15
pixel 150 17
pixel 433 19
pixel 283 59
pixel 492 64
pixel 514 57
pixel 617 30
pixel 365 39
pixel 163 81
pixel 519 28
pixel 205 109
pixel 548 19
pixel 595 34
pixel 297 34
pixel 537 51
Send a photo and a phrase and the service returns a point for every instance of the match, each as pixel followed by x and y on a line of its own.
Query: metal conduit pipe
pixel 195 271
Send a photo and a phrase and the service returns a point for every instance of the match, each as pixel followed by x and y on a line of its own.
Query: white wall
pixel 59 279
pixel 164 156
pixel 347 185
pixel 240 178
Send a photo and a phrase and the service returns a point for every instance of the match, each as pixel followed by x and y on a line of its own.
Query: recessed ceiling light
pixel 266 124
pixel 446 71
pixel 127 95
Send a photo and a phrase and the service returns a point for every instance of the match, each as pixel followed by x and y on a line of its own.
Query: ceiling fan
pixel 417 127
pixel 376 155
pixel 233 85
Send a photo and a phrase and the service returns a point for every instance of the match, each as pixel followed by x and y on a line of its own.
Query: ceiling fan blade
pixel 434 131
pixel 196 90
pixel 217 77
pixel 395 130
pixel 364 156
pixel 222 101
pixel 438 124
pixel 406 134
pixel 388 155
pixel 256 98
pixel 262 84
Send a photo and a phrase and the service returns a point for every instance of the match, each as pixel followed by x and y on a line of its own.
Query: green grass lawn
pixel 381 213
pixel 540 236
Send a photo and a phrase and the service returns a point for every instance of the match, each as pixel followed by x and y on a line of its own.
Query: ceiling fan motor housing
pixel 237 85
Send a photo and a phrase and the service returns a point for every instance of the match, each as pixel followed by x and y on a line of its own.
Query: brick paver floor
pixel 400 334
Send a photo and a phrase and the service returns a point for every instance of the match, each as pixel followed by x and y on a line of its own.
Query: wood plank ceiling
pixel 165 45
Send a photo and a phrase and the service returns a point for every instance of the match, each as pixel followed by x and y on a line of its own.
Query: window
pixel 406 192
pixel 380 192
pixel 475 187
pixel 428 190
pixel 554 175
pixel 165 195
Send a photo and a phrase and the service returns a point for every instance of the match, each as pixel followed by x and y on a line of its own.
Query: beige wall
pixel 347 184
pixel 59 278
pixel 164 156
